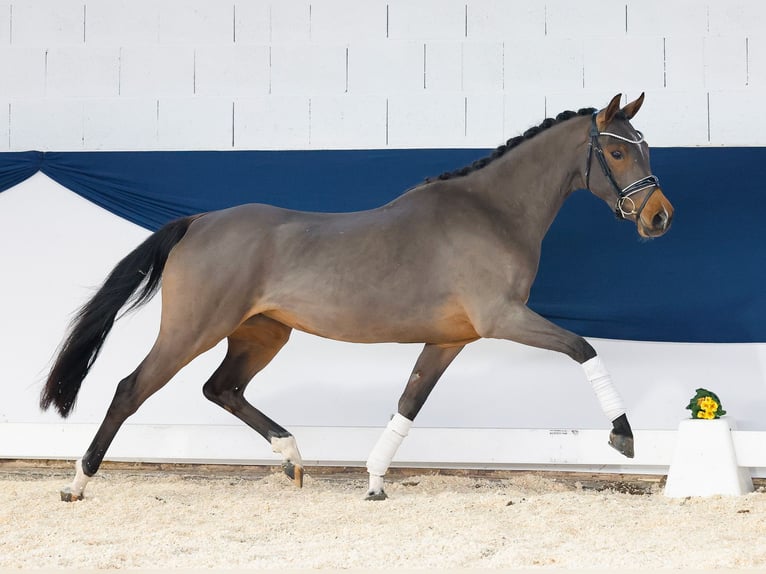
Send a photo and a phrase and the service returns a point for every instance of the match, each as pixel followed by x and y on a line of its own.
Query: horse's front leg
pixel 431 364
pixel 521 324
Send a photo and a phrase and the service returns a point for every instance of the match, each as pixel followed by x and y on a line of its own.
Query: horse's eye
pixel 617 154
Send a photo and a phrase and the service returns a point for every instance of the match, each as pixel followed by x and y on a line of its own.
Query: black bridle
pixel 624 195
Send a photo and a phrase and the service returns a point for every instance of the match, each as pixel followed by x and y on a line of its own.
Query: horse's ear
pixel 632 108
pixel 607 114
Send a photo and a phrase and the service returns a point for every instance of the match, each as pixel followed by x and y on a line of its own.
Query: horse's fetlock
pixel 272 434
pixel 89 469
pixel 621 426
pixel 583 351
pixel 288 448
pixel 375 490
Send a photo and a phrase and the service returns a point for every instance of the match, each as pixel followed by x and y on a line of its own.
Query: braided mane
pixel 512 143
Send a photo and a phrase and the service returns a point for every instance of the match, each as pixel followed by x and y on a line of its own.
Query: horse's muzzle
pixel 656 217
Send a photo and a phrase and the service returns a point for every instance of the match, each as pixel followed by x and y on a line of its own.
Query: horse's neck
pixel 530 182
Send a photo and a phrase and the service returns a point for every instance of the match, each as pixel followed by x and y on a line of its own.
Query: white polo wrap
pixel 606 393
pixel 383 452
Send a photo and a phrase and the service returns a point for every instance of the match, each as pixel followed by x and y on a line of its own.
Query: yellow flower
pixel 708 405
pixel 706 415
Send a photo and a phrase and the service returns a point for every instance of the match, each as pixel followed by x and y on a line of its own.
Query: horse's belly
pixel 376 327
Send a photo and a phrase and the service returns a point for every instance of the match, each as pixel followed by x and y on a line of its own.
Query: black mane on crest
pixel 512 143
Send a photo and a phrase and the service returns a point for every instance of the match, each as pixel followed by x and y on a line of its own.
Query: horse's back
pixel 377 275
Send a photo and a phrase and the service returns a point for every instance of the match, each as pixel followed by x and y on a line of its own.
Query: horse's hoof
pixel 295 473
pixel 622 444
pixel 68 496
pixel 372 495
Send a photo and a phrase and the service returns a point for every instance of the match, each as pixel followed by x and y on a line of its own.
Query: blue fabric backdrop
pixel 702 282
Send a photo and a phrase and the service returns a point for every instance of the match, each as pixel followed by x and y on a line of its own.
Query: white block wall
pixel 299 74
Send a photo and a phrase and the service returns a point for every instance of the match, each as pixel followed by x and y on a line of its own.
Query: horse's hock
pixel 705 462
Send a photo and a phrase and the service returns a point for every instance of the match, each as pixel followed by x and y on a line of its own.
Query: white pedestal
pixel 705 463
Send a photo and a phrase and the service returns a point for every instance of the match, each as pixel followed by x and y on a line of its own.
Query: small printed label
pixel 573 432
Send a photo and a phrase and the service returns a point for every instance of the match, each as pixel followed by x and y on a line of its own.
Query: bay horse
pixel 448 262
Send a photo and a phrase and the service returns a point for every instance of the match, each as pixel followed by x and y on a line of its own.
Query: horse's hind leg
pixel 164 360
pixel 251 348
pixel 431 364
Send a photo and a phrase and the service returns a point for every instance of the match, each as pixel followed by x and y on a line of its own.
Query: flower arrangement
pixel 705 405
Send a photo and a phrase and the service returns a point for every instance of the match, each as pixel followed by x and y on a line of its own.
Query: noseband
pixel 625 206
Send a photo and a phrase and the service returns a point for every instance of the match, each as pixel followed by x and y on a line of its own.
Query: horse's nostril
pixel 660 220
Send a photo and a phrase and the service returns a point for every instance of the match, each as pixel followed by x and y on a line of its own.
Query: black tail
pixel 88 331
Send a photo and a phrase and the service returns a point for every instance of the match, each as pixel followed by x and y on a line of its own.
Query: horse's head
pixel 618 170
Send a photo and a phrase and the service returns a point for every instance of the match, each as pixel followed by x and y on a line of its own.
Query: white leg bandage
pixel 607 395
pixel 383 451
pixel 376 484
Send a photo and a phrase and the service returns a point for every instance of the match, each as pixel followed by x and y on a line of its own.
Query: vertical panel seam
pixel 45 83
pixel 386 122
pixel 502 67
pixel 82 124
pixel 466 21
pixel 465 116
